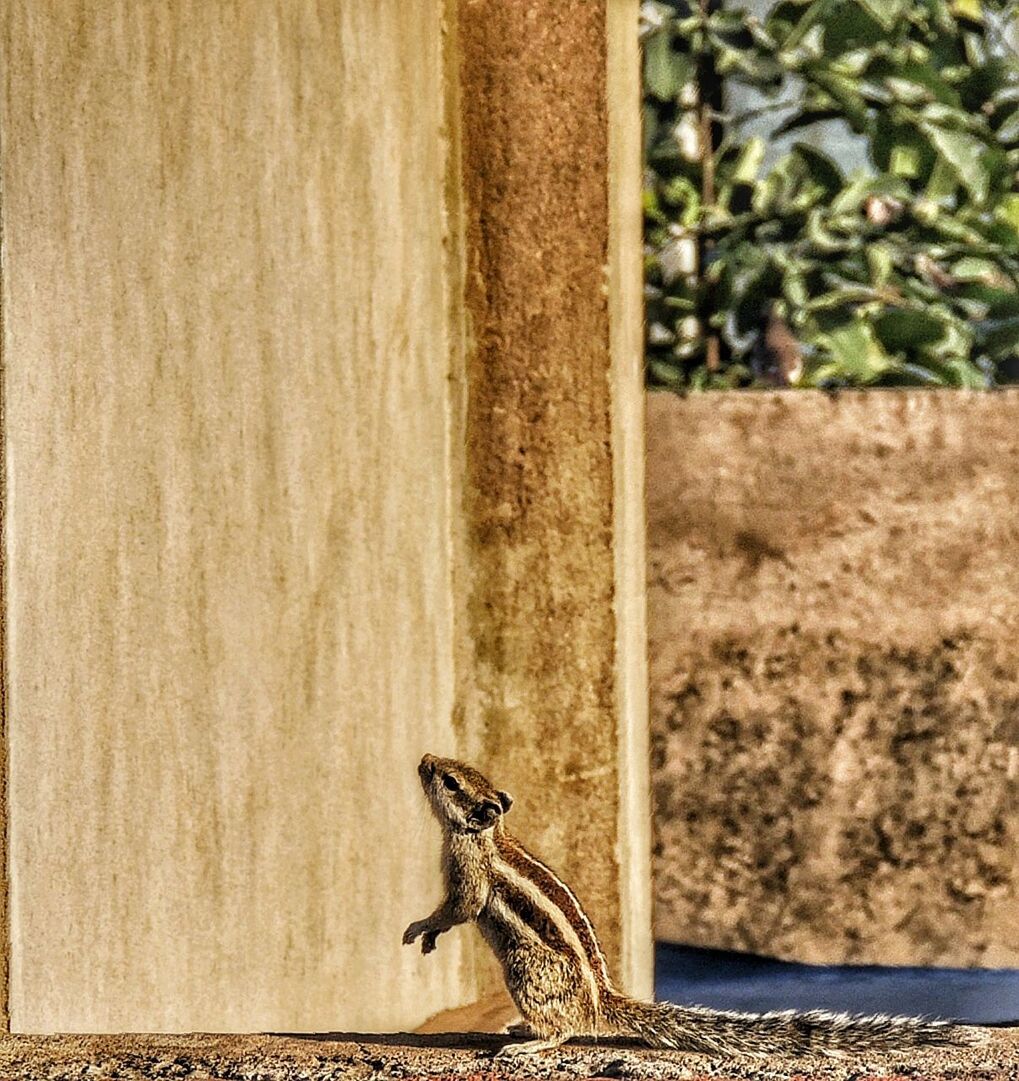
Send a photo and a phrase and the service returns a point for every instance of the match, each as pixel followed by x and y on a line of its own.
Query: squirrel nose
pixel 427 766
pixel 487 813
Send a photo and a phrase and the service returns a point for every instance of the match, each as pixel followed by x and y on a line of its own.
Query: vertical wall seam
pixel 454 264
pixel 5 870
pixel 622 61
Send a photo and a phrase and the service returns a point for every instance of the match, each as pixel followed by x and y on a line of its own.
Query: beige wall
pixel 229 614
pixel 241 523
pixel 834 625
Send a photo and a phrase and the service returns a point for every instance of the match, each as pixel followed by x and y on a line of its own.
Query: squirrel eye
pixel 450 782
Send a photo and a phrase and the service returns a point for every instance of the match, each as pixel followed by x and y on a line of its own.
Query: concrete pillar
pixel 322 444
pixel 554 693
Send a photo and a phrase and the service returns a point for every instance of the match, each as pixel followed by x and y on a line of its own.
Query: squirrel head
pixel 462 799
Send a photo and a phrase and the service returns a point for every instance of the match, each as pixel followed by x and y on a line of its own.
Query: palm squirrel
pixel 555 969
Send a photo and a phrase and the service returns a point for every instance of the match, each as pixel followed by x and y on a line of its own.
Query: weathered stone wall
pixel 552 592
pixel 322 439
pixel 834 607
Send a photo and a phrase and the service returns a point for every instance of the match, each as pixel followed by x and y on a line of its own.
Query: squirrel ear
pixel 506 800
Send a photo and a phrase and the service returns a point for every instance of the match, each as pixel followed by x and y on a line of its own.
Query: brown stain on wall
pixel 834 618
pixel 538 425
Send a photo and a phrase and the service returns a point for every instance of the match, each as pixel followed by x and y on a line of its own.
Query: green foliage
pixel 903 272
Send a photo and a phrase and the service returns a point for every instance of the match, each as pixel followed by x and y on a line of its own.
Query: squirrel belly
pixel 554 967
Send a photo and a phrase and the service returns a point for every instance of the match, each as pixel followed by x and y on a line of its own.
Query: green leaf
pixel 886 12
pixel 749 161
pixel 852 25
pixel 856 354
pixel 814 15
pixel 972 10
pixel 901 149
pixel 861 185
pixel 845 91
pixel 880 264
pixel 1008 210
pixel 965 154
pixel 666 71
pixel 943 182
pixel 680 193
pixel 664 374
pixel 962 373
pixel 905 160
pixel 901 330
pixel 905 90
pixel 974 269
pixel 822 169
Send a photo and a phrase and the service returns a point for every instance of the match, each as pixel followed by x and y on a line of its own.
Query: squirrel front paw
pixel 413 930
pixel 422 928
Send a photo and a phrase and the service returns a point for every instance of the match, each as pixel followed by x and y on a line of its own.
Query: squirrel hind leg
pixel 530 1047
pixel 538 1034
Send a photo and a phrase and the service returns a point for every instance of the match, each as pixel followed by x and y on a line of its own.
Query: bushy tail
pixel 721 1032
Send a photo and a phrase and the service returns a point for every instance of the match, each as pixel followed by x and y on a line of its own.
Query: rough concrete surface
pixel 543 424
pixel 252 573
pixel 225 360
pixel 834 625
pixel 453 1055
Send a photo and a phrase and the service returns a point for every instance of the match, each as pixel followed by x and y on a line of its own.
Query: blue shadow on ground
pixel 736 981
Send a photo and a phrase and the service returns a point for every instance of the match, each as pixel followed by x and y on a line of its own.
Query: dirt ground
pixel 834 647
pixel 453 1055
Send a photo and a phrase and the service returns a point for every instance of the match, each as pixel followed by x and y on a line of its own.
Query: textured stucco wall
pixel 833 610
pixel 229 618
pixel 281 515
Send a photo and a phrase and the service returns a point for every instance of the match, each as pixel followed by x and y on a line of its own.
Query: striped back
pixel 560 906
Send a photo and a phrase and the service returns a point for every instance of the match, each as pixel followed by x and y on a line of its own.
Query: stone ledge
pixel 361 1057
